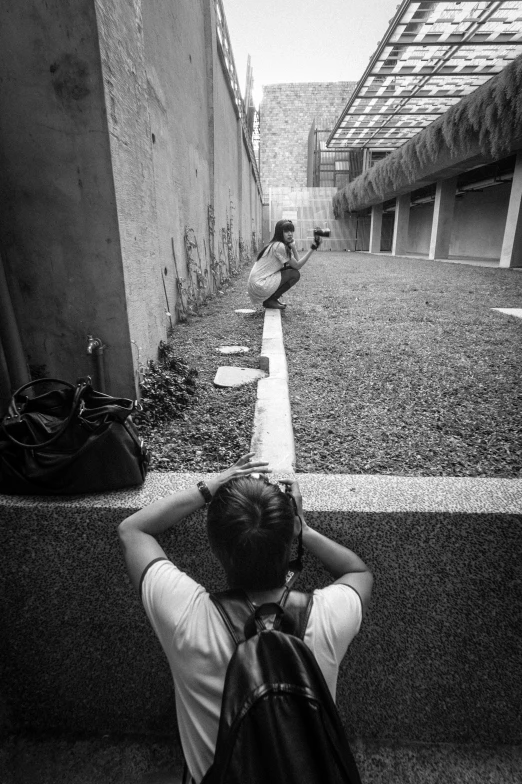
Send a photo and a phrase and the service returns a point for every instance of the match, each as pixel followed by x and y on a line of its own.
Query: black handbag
pixel 69 440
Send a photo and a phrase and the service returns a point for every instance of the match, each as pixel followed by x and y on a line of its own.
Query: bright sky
pixel 305 40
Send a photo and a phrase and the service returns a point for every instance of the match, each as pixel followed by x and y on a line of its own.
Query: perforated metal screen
pixel 432 55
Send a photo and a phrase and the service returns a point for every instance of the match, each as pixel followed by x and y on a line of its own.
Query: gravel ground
pixel 397 366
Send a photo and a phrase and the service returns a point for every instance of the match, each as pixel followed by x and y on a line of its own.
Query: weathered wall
pixel 59 229
pixel 117 131
pixel 437 658
pixel 286 115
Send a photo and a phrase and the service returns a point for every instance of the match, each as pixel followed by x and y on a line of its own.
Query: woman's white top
pixel 265 277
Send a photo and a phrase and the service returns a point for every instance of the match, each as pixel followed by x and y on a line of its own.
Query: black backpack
pixel 278 720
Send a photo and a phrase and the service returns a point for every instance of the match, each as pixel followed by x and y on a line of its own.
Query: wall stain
pixel 70 78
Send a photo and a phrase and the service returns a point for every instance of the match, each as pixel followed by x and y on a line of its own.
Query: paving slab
pixel 237 376
pixel 233 349
pixel 245 311
pixel 510 311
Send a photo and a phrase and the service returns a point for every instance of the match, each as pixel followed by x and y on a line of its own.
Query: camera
pixel 318 232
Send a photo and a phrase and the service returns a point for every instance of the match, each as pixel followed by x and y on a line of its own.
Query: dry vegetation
pixel 216 427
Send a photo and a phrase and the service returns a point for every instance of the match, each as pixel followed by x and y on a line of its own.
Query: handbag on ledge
pixel 69 439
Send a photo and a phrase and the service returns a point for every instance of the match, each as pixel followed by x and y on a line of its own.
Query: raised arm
pixel 138 532
pixel 295 261
pixel 343 564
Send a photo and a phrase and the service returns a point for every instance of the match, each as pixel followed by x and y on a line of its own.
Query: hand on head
pixel 245 466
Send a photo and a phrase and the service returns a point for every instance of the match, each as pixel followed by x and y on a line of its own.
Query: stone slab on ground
pixel 233 349
pixel 236 376
pixel 510 311
pixel 244 311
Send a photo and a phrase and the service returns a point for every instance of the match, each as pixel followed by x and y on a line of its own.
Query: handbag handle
pixel 79 389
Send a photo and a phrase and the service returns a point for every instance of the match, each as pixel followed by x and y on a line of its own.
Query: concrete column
pixel 400 226
pixel 511 255
pixel 376 229
pixel 442 218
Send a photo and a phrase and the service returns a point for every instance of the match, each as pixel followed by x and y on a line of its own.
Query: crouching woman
pixel 277 267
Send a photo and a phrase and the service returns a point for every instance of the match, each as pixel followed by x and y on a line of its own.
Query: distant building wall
pixel 127 134
pixel 286 115
pixel 478 224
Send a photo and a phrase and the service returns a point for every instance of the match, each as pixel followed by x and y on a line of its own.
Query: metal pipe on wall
pixel 96 346
pixel 10 337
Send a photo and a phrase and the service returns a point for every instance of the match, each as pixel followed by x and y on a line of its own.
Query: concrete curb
pixel 273 435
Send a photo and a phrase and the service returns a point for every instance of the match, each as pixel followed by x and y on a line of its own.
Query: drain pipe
pixel 10 338
pixel 96 346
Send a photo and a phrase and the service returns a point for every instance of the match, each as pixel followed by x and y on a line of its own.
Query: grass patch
pixel 399 366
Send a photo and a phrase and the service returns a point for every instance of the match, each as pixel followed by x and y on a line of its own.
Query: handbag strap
pixel 34 383
pixel 80 386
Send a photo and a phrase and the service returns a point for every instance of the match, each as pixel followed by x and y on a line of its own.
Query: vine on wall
pixel 204 279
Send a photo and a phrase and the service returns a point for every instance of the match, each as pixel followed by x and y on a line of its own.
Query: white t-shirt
pixel 265 275
pixel 198 647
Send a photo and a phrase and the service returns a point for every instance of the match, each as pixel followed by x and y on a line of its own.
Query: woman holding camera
pixel 277 267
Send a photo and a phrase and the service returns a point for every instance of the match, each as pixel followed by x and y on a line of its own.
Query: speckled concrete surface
pixel 140 760
pixel 328 492
pixel 438 658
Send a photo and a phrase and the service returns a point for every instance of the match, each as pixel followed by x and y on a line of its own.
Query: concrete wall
pixel 419 228
pixel 59 229
pixel 117 130
pixel 286 115
pixel 479 221
pixel 437 658
pixel 478 224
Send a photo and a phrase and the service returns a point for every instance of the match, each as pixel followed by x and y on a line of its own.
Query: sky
pixel 305 40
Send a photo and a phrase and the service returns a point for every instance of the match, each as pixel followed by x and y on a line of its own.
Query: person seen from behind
pixel 251 525
pixel 277 267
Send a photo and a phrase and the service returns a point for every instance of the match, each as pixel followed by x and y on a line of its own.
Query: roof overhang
pixel 433 54
pixel 482 128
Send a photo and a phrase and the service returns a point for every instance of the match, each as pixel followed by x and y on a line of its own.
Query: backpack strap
pixel 299 605
pixel 243 620
pixel 235 608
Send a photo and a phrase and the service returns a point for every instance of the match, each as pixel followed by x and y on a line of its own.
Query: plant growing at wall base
pixel 168 386
pixel 182 309
pixel 215 267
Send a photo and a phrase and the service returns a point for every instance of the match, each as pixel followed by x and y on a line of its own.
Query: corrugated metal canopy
pixel 434 53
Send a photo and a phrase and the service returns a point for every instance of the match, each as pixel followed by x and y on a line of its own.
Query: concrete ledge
pixel 437 658
pixel 273 435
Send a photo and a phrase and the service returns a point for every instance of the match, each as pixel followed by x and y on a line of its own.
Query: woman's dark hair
pixel 250 526
pixel 280 227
